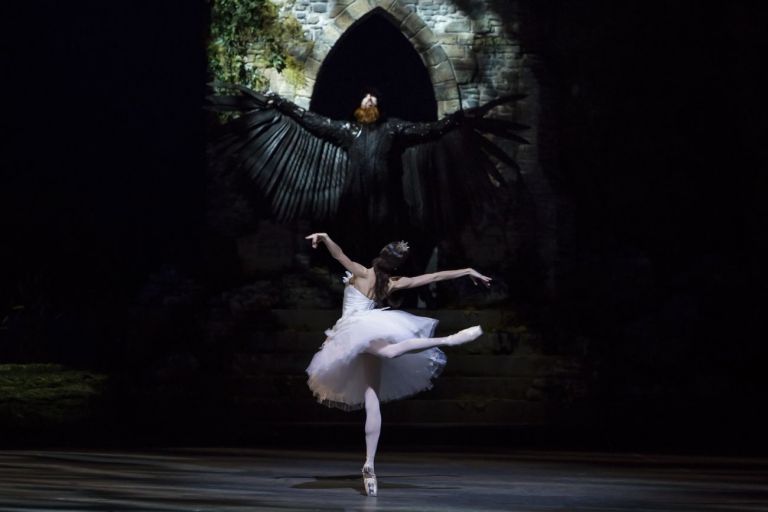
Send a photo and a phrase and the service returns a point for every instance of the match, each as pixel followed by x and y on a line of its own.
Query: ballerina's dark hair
pixel 388 260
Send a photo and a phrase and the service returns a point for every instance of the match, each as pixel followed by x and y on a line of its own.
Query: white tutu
pixel 336 372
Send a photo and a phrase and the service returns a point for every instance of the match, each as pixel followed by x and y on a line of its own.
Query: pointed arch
pixel 345 13
pixel 373 52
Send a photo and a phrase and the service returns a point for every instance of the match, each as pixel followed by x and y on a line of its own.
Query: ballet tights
pixel 389 350
pixel 372 370
pixel 372 426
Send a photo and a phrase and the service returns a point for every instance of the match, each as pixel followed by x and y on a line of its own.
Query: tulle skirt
pixel 337 372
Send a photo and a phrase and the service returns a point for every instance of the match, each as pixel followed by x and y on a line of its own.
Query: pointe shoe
pixel 370 486
pixel 464 336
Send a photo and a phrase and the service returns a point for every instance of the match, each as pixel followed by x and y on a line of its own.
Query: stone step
pixel 491 411
pixel 308 342
pixel 317 320
pixel 289 387
pixel 516 365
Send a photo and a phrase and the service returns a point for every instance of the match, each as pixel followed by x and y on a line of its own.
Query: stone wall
pixel 466 47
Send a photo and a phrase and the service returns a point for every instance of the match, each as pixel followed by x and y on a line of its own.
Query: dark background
pixel 660 151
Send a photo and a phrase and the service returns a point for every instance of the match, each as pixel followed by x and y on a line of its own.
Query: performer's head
pixel 368 112
pixel 391 256
pixel 384 265
pixel 369 100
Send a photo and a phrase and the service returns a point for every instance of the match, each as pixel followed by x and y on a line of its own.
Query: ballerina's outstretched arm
pixel 403 283
pixel 357 269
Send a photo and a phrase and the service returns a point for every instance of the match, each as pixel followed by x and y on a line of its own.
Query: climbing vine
pixel 248 37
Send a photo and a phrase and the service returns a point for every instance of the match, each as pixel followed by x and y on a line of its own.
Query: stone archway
pixel 345 13
pixel 373 53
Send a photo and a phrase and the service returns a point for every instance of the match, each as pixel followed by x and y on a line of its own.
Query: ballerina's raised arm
pixel 357 269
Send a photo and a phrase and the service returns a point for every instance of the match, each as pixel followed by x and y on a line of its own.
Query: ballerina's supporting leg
pixel 390 350
pixel 372 371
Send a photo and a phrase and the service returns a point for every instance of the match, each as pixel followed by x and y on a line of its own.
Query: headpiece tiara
pixel 401 247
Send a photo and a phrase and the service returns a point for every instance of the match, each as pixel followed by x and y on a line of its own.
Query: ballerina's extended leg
pixel 388 350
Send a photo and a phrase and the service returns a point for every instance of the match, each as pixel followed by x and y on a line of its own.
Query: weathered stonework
pixel 445 37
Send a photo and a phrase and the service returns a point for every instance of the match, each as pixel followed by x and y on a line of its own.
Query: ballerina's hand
pixel 476 276
pixel 315 238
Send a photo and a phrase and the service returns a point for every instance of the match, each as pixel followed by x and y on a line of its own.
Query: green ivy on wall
pixel 249 37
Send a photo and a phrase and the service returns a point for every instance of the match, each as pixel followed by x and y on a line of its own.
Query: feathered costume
pixel 307 165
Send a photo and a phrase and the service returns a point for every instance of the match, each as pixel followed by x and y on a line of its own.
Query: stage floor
pixel 246 480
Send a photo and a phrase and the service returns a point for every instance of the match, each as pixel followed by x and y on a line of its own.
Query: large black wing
pixel 296 159
pixel 451 175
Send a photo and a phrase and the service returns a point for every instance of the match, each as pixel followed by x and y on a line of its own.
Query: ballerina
pixel 374 354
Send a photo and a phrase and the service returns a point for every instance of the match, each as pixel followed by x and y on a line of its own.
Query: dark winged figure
pixel 375 174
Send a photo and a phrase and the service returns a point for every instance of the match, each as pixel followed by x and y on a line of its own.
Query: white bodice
pixel 355 301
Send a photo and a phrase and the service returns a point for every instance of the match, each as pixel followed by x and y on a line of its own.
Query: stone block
pixel 330 34
pixel 358 8
pixel 312 66
pixel 312 19
pixel 344 20
pixel 481 26
pixel 400 11
pixel 338 6
pixel 447 38
pixel 320 7
pixel 384 4
pixel 447 107
pixel 435 55
pixel 454 51
pixel 457 26
pixel 316 32
pixel 446 91
pixel 465 63
pixel 424 39
pixel 412 24
pixel 320 49
pixel 465 39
